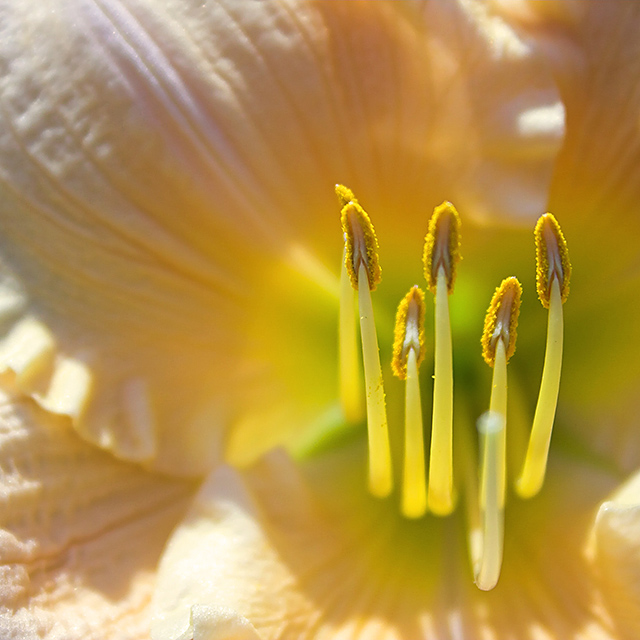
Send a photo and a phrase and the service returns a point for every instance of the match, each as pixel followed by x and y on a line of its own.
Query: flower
pixel 169 292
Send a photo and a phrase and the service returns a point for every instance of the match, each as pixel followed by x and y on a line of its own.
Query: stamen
pixel 553 271
pixel 408 353
pixel 498 345
pixel 441 256
pixel 361 262
pixel 487 565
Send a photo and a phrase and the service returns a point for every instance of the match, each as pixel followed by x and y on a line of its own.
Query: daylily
pixel 170 249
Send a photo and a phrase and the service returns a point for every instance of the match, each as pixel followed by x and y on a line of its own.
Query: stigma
pixel 433 488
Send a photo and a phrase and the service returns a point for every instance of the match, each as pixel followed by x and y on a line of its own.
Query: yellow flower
pixel 170 249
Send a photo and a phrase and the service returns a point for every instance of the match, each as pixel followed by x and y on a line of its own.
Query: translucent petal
pixel 80 533
pixel 166 175
pixel 308 555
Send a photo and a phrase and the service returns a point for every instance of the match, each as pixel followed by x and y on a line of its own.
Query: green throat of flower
pixel 435 490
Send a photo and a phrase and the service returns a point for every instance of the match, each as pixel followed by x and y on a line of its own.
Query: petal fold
pixel 615 552
pixel 80 533
pixel 305 553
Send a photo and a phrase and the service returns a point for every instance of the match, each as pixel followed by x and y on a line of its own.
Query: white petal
pixel 308 555
pixel 615 551
pixel 80 533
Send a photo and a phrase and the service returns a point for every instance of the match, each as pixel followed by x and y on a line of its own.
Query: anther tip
pixel 345 195
pixel 552 259
pixel 409 331
pixel 442 246
pixel 361 245
pixel 501 321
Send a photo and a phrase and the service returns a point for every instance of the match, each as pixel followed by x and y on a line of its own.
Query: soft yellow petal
pixel 308 555
pixel 80 533
pixel 166 175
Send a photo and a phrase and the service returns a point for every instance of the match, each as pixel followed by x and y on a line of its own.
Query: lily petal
pixel 80 533
pixel 165 182
pixel 307 555
pixel 615 551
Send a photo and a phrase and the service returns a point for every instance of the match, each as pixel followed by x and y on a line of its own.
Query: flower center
pixel 435 491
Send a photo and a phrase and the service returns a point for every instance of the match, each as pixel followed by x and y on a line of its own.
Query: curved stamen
pixel 553 271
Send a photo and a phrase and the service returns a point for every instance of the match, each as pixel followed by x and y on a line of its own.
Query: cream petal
pixel 80 533
pixel 307 554
pixel 166 175
pixel 615 552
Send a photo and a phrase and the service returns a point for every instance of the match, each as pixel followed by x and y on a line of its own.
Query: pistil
pixel 488 563
pixel 553 271
pixel 441 256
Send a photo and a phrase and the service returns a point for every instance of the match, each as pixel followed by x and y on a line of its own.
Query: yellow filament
pixel 498 405
pixel 351 396
pixel 535 464
pixel 440 496
pixel 414 492
pixel 488 564
pixel 380 474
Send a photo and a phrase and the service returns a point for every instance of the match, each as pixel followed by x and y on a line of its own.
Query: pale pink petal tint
pixel 168 297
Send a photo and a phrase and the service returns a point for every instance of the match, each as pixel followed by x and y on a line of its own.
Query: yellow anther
pixel 361 245
pixel 345 195
pixel 409 331
pixel 442 246
pixel 552 259
pixel 501 321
